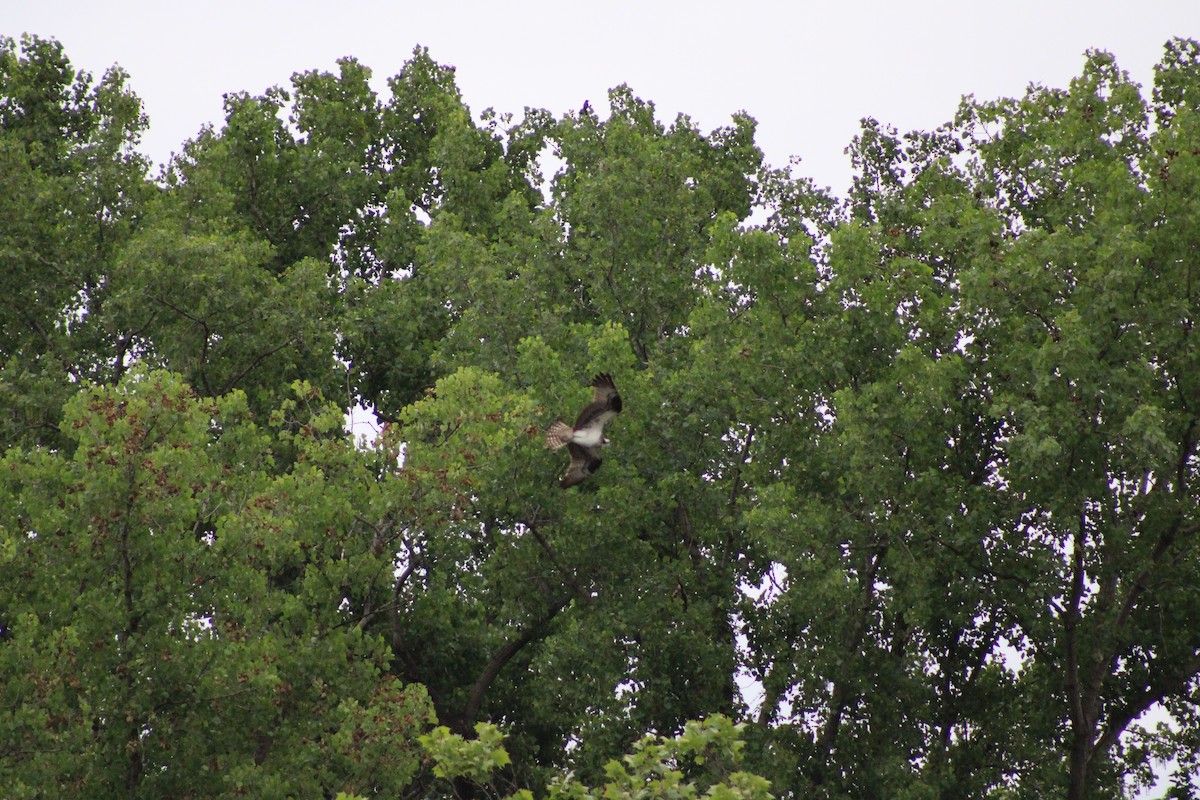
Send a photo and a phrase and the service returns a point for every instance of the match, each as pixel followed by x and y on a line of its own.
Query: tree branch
pixel 500 659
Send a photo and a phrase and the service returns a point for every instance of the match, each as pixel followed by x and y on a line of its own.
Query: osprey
pixel 587 437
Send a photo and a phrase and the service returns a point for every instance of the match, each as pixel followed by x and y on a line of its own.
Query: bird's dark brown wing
pixel 584 461
pixel 594 414
pixel 606 403
pixel 604 391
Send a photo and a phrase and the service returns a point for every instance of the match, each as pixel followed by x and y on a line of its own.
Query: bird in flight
pixel 584 440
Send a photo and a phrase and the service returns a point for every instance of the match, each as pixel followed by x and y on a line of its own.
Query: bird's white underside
pixel 589 437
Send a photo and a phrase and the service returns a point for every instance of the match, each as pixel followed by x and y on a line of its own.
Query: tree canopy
pixel 902 500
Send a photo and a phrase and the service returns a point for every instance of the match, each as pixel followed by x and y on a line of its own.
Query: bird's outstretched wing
pixel 584 461
pixel 605 391
pixel 606 403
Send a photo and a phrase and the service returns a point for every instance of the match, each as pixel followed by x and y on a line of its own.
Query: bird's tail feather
pixel 558 435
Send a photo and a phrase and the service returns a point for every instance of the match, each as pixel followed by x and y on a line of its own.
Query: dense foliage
pixel 905 484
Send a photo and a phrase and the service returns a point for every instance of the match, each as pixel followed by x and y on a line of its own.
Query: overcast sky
pixel 806 71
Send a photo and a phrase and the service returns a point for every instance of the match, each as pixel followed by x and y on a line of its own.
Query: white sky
pixel 806 71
